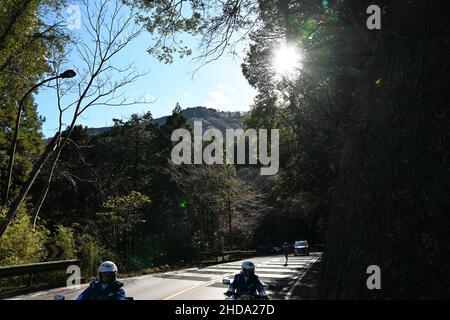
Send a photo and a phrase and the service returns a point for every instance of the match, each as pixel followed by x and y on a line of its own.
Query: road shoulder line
pixel 289 294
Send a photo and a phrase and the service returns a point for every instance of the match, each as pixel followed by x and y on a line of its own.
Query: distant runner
pixel 286 252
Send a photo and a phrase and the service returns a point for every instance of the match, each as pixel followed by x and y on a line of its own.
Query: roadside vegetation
pixel 364 143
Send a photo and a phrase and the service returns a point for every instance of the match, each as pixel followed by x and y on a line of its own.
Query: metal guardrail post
pixel 232 255
pixel 30 280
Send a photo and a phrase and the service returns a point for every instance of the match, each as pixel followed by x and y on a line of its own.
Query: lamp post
pixel 65 75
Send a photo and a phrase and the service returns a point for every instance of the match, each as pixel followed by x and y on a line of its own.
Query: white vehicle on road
pixel 301 247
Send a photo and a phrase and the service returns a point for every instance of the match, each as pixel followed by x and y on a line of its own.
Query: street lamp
pixel 65 75
pixel 68 74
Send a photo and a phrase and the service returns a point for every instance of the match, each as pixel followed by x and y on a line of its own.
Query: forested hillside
pixel 210 118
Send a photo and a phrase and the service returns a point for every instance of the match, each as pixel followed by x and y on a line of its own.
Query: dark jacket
pixel 249 287
pixel 95 291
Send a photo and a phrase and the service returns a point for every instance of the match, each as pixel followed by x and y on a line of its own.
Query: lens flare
pixel 286 60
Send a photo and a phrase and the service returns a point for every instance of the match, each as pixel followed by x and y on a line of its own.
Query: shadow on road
pixel 308 287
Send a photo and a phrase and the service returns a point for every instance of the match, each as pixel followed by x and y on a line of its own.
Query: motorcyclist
pixel 105 287
pixel 247 283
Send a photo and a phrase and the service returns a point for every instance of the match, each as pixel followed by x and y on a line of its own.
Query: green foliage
pixel 163 19
pixel 123 214
pixel 106 188
pixel 65 239
pixel 148 252
pixel 309 108
pixel 119 223
pixel 217 22
pixel 91 253
pixel 26 47
pixel 21 244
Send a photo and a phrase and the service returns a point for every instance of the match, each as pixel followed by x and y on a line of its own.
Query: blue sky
pixel 218 85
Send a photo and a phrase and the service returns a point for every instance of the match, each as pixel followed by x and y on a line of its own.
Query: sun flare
pixel 286 60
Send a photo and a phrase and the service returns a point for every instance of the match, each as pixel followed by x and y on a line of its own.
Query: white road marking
pixel 289 294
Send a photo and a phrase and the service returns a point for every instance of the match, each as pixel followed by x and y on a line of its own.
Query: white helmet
pixel 248 265
pixel 107 266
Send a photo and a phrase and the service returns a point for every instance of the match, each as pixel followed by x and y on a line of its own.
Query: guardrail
pixel 216 257
pixel 31 270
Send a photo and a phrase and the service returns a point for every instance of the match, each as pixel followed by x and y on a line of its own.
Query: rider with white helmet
pixel 246 282
pixel 106 286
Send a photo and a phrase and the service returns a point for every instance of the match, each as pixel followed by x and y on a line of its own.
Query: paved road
pixel 202 283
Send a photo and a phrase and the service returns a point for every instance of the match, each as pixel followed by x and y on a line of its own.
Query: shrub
pixel 64 238
pixel 90 252
pixel 20 244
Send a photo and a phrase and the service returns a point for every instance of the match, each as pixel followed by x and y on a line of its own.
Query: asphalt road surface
pixel 202 283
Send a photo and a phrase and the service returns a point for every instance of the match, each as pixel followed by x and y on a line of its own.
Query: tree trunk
pixel 26 188
pixel 45 189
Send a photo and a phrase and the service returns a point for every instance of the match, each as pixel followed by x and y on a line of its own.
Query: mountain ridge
pixel 210 117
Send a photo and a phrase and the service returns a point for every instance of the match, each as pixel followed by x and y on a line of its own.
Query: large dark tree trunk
pixel 392 201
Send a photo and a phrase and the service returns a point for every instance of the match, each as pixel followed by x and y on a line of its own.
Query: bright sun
pixel 286 60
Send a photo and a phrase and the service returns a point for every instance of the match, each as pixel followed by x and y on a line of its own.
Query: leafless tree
pixel 99 83
pixel 220 24
pixel 214 190
pixel 223 32
pixel 110 33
